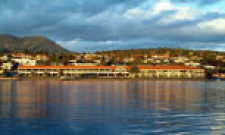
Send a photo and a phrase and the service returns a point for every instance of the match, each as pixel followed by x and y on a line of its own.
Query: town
pixel 143 63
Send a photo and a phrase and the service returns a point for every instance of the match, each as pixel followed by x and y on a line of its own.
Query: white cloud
pixel 181 14
pixel 84 45
pixel 215 26
pixel 70 43
pixel 135 13
pixel 143 12
pixel 163 6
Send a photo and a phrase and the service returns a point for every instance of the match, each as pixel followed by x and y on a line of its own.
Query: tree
pixel 209 72
pixel 134 69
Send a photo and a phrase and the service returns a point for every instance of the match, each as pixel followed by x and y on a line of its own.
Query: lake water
pixel 97 107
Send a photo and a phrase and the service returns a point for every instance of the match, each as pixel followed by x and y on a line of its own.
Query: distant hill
pixel 32 44
pixel 159 51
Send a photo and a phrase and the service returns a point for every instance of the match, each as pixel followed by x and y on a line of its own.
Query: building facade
pixel 7 66
pixel 41 57
pixel 170 72
pixel 113 71
pixel 95 71
pixel 219 75
pixel 25 62
pixel 1 72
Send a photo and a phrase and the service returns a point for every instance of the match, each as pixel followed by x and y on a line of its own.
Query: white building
pixel 180 59
pixel 98 71
pixel 129 59
pixel 7 66
pixel 148 60
pixel 41 57
pixel 25 62
pixel 192 64
pixel 170 72
pixel 4 58
pixel 75 63
pixel 209 67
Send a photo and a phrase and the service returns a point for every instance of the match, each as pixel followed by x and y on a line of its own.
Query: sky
pixel 95 25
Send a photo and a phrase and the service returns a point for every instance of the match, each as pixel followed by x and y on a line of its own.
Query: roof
pixel 167 67
pixel 107 67
pixel 20 54
pixel 41 55
pixel 68 67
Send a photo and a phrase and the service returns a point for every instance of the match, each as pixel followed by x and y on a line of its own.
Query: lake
pixel 109 107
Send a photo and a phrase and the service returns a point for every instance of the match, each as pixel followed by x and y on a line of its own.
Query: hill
pixel 173 52
pixel 31 44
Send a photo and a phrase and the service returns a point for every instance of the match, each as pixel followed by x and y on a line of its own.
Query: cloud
pixel 215 26
pixel 143 12
pixel 114 24
pixel 81 45
pixel 199 2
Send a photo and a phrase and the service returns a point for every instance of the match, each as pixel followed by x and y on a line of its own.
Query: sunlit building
pixel 170 72
pixel 113 71
pixel 95 71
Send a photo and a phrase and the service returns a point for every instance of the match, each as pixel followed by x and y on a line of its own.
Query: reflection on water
pixel 112 107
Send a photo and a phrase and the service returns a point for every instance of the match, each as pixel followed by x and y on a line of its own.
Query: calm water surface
pixel 93 107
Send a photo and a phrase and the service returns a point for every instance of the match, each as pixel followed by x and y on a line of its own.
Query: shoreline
pixel 113 79
pixel 8 78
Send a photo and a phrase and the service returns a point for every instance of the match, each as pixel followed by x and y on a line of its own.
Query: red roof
pixel 68 67
pixel 106 67
pixel 167 67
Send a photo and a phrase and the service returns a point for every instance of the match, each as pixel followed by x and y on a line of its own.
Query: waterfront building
pixel 114 71
pixel 170 72
pixel 219 75
pixel 95 71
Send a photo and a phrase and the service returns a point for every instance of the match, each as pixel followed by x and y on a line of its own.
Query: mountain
pixel 9 43
pixel 31 44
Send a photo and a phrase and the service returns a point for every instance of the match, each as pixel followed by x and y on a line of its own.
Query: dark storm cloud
pixel 59 6
pixel 23 17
